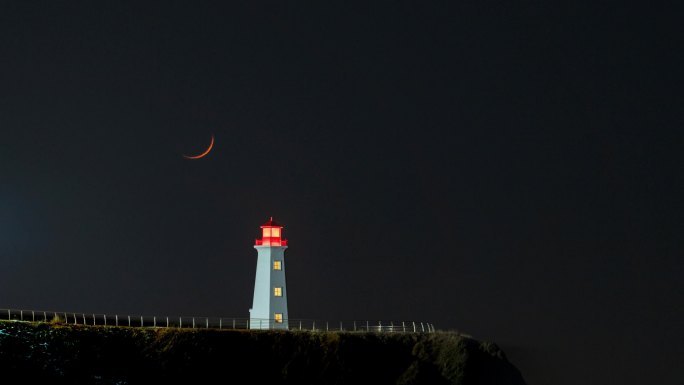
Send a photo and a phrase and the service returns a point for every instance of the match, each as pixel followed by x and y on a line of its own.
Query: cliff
pixel 71 354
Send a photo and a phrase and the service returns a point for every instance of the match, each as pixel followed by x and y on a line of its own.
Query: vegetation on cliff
pixel 61 353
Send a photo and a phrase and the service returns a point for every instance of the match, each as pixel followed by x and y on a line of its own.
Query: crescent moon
pixel 202 155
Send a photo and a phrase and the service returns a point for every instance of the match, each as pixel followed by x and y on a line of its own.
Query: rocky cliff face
pixel 120 355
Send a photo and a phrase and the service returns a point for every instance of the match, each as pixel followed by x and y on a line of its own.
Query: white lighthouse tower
pixel 269 307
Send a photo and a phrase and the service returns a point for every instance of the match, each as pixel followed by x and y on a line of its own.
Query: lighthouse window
pixel 275 233
pixel 267 232
pixel 279 318
pixel 278 291
pixel 276 265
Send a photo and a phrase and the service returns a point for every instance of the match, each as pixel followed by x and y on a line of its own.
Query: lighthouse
pixel 269 306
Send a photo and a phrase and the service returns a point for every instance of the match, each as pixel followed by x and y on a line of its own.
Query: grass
pixel 62 353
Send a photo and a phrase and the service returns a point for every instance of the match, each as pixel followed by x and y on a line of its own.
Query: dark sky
pixel 513 170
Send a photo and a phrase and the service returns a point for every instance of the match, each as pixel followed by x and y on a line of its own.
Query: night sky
pixel 512 170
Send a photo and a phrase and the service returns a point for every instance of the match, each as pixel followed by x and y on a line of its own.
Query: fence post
pixel 154 321
pixel 45 317
pixel 207 322
pixel 129 321
pixel 403 326
pixel 141 321
pixel 116 319
pixel 193 322
pixel 313 328
pixel 354 325
pixel 414 326
pixel 9 315
pixel 220 323
pixel 234 323
pixel 367 326
pixel 300 324
pixel 326 326
pixel 340 325
pixel 21 315
pixel 422 327
pixel 105 319
pixel 93 319
pixel 380 326
pixel 167 321
pixel 33 316
pixel 180 322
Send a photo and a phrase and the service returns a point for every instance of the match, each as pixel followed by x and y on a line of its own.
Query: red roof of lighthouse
pixel 271 235
pixel 271 223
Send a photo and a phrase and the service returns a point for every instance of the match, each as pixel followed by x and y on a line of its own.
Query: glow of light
pixel 202 155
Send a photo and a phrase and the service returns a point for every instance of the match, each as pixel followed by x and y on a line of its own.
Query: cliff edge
pixel 72 354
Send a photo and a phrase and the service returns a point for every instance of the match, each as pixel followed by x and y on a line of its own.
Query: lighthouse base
pixel 267 324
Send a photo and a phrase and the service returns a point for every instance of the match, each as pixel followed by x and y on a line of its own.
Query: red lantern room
pixel 271 234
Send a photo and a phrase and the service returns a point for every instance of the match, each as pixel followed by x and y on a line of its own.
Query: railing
pixel 94 319
pixel 273 241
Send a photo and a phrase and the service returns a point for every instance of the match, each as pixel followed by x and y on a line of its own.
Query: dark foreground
pixel 120 355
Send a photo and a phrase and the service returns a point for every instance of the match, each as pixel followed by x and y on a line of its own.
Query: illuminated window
pixel 275 233
pixel 267 232
pixel 278 291
pixel 276 265
pixel 279 318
